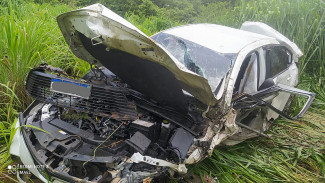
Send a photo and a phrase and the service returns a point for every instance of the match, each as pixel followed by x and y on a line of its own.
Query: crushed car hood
pixel 103 38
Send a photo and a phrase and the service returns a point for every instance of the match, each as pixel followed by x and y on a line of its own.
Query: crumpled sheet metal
pixel 103 26
pixel 196 153
pixel 217 135
pixel 230 129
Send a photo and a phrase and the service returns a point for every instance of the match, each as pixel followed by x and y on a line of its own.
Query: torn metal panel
pixel 196 151
pixel 195 156
pixel 230 128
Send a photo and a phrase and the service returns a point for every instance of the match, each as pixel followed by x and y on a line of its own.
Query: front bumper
pixel 20 149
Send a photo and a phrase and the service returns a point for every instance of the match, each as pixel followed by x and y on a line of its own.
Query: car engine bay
pixel 115 132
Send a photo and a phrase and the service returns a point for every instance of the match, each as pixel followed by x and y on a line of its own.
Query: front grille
pixel 103 101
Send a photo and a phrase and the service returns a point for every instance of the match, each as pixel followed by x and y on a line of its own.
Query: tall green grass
pixel 152 24
pixel 8 118
pixel 295 153
pixel 8 113
pixel 30 35
pixel 301 20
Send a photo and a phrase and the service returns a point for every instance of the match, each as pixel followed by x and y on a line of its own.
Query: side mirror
pixel 266 84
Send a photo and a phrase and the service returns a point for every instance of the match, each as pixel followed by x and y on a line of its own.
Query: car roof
pixel 219 38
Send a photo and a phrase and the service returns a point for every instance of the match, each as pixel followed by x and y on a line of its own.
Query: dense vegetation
pixel 29 35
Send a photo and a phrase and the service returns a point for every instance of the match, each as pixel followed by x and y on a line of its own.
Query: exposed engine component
pixel 139 142
pixel 181 141
pixel 81 143
pixel 89 137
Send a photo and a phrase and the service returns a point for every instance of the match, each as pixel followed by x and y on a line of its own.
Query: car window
pixel 248 75
pixel 201 60
pixel 277 59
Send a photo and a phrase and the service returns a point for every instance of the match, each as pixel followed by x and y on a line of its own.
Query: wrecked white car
pixel 150 106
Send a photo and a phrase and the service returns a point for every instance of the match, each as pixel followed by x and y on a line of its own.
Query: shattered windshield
pixel 196 58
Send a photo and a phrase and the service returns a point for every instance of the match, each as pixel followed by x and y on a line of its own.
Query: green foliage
pixel 9 102
pixel 180 10
pixel 150 25
pixel 8 105
pixel 147 8
pixel 29 34
pixel 8 118
pixel 219 13
pixel 295 153
pixel 118 6
pixel 301 20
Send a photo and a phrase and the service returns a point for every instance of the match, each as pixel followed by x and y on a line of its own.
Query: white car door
pixel 280 67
